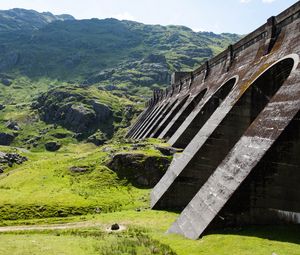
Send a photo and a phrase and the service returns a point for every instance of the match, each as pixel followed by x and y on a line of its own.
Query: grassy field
pixel 145 234
pixel 44 186
pixel 43 190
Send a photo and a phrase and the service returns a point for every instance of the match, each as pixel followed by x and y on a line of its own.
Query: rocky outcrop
pixel 13 125
pixel 6 82
pixel 9 159
pixel 6 139
pixel 79 169
pixel 75 112
pixel 52 146
pixel 168 150
pixel 98 138
pixel 140 169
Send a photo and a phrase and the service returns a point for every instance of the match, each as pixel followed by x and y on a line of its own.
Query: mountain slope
pixel 100 50
pixel 20 19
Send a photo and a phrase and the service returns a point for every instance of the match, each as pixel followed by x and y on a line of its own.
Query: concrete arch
pixel 276 193
pixel 269 116
pixel 182 115
pixel 160 119
pixel 153 121
pixel 199 159
pixel 182 137
pixel 139 120
pixel 148 117
pixel 169 117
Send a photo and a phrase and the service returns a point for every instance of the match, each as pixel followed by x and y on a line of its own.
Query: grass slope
pixel 44 186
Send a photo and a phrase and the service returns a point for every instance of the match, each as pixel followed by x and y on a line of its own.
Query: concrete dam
pixel 237 120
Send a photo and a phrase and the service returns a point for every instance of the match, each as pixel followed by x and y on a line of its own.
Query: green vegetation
pixel 46 186
pixel 129 55
pixel 55 70
pixel 143 235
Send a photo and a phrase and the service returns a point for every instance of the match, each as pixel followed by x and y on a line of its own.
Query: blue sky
pixel 235 16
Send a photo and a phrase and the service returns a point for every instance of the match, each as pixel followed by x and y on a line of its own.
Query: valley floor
pixel 142 233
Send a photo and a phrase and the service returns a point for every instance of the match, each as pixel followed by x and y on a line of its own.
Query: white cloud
pixel 245 1
pixel 263 1
pixel 124 16
pixel 268 1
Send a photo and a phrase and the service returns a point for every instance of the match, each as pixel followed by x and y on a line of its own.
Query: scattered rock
pixel 6 82
pixel 13 125
pixel 79 169
pixel 115 226
pixel 98 138
pixel 52 146
pixel 2 106
pixel 140 169
pixel 60 135
pixel 78 136
pixel 11 158
pixel 6 139
pixel 111 87
pixel 168 150
pixel 155 58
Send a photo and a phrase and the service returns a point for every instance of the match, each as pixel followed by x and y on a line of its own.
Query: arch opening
pixel 171 116
pixel 147 119
pixel 217 146
pixel 186 112
pixel 207 110
pixel 152 119
pixel 273 183
pixel 161 118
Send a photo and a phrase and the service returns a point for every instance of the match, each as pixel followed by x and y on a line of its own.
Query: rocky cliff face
pixel 75 112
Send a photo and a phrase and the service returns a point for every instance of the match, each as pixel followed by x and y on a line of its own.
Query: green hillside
pixel 69 90
pixel 109 51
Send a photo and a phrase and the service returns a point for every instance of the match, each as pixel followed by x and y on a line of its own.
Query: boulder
pixel 6 82
pixel 11 158
pixel 98 138
pixel 60 135
pixel 6 139
pixel 111 87
pixel 115 226
pixel 79 169
pixel 13 125
pixel 52 146
pixel 140 169
pixel 168 150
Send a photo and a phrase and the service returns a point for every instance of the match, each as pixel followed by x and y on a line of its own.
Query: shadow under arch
pixel 148 118
pixel 185 113
pixel 167 120
pixel 160 119
pixel 198 164
pixel 152 119
pixel 139 120
pixel 204 114
pixel 273 182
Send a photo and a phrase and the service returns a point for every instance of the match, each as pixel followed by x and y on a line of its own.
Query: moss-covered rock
pixel 140 169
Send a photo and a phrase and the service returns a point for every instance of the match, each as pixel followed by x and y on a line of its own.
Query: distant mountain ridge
pixel 21 19
pixel 109 51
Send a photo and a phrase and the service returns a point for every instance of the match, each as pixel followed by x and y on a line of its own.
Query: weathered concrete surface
pixel 241 144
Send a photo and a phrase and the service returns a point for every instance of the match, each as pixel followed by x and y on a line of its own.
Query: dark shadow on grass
pixel 283 233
